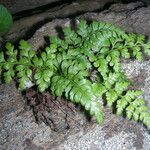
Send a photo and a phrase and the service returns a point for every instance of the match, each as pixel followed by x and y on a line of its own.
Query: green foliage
pixel 5 19
pixel 82 67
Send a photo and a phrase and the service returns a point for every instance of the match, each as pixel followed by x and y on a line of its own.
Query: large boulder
pixel 18 127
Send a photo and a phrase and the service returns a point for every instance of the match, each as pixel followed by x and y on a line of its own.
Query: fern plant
pixel 82 67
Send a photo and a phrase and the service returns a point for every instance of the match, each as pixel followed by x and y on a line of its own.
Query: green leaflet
pixel 111 96
pixel 5 20
pixel 82 66
pixel 147 47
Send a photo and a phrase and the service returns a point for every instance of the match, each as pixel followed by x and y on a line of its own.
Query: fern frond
pixel 82 66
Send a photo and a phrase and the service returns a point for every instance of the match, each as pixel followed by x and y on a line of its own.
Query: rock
pixel 130 17
pixel 139 73
pixel 18 129
pixel 26 26
pixel 18 6
pixel 38 40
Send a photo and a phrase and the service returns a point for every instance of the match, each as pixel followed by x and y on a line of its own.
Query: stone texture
pixel 18 130
pixel 139 73
pixel 25 27
pixel 19 5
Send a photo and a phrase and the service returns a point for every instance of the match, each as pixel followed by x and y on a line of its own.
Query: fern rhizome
pixel 82 67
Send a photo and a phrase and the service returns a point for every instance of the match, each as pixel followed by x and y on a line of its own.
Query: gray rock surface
pixel 18 130
pixel 19 5
pixel 25 27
